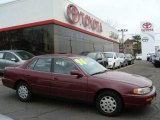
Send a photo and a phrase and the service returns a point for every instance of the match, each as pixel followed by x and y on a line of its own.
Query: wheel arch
pixel 107 89
pixel 19 81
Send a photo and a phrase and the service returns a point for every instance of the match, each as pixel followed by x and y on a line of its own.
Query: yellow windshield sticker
pixel 80 61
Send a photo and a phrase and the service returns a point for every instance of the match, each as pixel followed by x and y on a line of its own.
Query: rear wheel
pixel 23 92
pixel 109 103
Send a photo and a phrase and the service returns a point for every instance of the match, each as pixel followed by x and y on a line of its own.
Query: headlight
pixel 142 91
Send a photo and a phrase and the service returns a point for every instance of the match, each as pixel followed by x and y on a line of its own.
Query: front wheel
pixel 23 92
pixel 109 103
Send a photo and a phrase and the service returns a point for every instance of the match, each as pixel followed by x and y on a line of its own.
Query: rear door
pixel 39 76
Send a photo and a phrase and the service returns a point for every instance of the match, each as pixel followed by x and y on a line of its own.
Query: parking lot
pixel 44 108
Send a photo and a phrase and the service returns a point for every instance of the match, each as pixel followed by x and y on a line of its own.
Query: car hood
pixel 126 78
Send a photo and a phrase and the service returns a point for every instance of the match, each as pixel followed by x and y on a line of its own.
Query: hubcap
pixel 108 104
pixel 23 92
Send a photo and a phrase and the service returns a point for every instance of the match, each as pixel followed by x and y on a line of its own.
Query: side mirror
pixel 77 72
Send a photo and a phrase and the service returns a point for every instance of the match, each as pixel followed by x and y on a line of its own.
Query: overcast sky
pixel 123 13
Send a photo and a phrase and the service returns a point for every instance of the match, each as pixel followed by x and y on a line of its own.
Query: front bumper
pixel 133 100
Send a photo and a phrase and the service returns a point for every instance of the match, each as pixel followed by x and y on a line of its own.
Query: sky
pixel 123 14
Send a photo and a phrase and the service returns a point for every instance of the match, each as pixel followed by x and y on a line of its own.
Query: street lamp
pixel 122 32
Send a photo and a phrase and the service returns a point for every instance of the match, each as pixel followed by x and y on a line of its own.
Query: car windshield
pixel 158 54
pixel 24 55
pixel 108 55
pixel 90 66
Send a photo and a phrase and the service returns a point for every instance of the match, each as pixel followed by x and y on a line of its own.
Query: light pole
pixel 122 32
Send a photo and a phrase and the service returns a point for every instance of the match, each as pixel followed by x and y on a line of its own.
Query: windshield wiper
pixel 99 72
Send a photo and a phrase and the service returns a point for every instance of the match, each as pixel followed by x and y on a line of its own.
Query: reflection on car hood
pixel 2 117
pixel 125 77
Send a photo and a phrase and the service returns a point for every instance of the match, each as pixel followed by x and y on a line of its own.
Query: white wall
pixel 29 11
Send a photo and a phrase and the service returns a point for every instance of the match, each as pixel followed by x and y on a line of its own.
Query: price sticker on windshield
pixel 80 61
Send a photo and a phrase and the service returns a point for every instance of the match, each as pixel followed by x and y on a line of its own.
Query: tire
pixel 23 92
pixel 109 103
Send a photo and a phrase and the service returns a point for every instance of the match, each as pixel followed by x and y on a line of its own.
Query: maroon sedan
pixel 81 78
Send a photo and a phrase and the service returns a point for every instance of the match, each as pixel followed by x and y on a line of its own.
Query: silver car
pixel 13 57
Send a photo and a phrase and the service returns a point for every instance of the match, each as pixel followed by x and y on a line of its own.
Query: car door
pixel 10 59
pixel 2 61
pixel 66 85
pixel 39 75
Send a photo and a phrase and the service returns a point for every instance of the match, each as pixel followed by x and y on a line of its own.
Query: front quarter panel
pixel 95 85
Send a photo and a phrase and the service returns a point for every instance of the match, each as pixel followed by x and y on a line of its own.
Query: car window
pixel 1 55
pixel 108 55
pixel 99 56
pixel 24 55
pixel 10 56
pixel 31 66
pixel 63 66
pixel 43 64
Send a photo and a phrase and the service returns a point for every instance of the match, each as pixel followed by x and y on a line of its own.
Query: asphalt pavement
pixel 44 108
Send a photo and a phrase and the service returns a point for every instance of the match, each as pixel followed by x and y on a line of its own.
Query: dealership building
pixel 53 26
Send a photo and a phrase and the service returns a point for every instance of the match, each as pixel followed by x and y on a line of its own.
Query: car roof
pixel 61 55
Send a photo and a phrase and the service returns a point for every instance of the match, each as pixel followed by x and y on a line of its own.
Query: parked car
pixel 157 59
pixel 99 57
pixel 130 59
pixel 123 60
pixel 13 57
pixel 139 57
pixel 153 57
pixel 113 59
pixel 81 78
pixel 149 56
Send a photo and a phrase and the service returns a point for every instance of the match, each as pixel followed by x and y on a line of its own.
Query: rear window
pixel 24 55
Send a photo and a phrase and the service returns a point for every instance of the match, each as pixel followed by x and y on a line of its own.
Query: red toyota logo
pixel 73 13
pixel 147 25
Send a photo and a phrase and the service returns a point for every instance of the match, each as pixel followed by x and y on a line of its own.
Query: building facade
pixel 53 26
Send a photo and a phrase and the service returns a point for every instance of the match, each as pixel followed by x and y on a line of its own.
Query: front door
pixel 66 85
